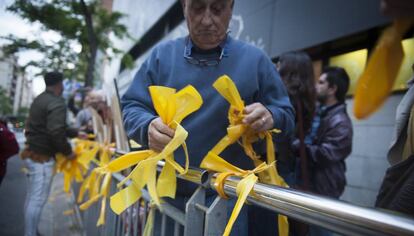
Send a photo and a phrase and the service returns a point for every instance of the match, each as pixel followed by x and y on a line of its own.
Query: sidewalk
pixel 53 221
pixel 59 215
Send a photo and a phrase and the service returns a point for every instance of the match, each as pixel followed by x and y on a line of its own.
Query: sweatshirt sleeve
pixel 137 108
pixel 273 95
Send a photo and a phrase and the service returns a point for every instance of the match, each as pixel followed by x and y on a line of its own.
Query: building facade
pixel 17 86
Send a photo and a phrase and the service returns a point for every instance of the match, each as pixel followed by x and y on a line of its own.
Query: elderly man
pixel 199 59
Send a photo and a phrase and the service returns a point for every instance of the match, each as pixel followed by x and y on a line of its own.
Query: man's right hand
pixel 159 135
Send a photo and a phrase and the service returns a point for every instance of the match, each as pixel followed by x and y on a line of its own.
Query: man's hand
pixel 71 156
pixel 258 117
pixel 159 135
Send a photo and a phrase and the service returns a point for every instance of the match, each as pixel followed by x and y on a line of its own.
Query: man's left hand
pixel 258 117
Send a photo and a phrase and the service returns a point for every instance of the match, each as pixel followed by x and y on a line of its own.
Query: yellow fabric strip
pixel 172 107
pixel 236 131
pixel 124 198
pixel 377 80
pixel 215 163
pixel 150 222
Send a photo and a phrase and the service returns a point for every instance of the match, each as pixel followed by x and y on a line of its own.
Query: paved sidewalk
pixel 53 221
pixel 59 216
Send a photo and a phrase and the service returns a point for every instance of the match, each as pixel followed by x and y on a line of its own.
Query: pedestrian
pixel 329 142
pixel 46 135
pixel 396 192
pixel 296 72
pixel 207 53
pixel 8 147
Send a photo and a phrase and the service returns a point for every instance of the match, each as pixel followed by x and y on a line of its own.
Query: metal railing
pixel 198 219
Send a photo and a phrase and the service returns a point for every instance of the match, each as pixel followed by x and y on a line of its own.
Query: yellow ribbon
pixel 236 130
pixel 75 169
pixel 172 107
pixel 215 163
pixel 377 81
pixel 93 184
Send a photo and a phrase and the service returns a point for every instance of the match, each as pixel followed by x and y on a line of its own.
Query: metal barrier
pixel 198 219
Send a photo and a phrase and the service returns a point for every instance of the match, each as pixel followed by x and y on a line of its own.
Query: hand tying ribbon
pixel 377 80
pixel 172 107
pixel 236 130
pixel 75 169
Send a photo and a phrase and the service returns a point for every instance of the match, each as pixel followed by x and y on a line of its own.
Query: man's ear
pixel 332 90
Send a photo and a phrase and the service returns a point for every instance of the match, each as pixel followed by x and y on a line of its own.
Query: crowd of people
pixel 316 131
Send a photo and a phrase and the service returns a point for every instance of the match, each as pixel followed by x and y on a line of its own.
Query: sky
pixel 13 24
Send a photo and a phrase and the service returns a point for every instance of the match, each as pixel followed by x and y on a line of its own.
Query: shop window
pixel 406 72
pixel 354 64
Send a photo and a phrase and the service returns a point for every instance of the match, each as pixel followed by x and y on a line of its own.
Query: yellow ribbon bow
pixel 75 169
pixel 377 80
pixel 93 182
pixel 172 107
pixel 246 184
pixel 236 130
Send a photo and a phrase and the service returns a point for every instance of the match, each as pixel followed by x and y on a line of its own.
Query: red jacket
pixel 8 143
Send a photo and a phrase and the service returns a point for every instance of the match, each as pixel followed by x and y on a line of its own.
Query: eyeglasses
pixel 212 61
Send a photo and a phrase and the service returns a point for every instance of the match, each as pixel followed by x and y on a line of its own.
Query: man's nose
pixel 207 17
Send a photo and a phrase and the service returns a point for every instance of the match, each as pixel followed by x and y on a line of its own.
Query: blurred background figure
pixel 296 71
pixel 46 134
pixel 329 141
pixel 93 100
pixel 397 192
pixel 8 147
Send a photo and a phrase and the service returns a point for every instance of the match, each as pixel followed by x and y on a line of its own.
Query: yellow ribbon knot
pixel 236 131
pixel 75 169
pixel 172 107
pixel 244 187
pixel 93 184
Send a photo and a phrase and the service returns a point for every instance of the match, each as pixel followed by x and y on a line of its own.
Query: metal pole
pixel 332 214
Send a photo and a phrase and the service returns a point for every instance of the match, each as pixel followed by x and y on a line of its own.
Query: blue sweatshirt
pixel 170 65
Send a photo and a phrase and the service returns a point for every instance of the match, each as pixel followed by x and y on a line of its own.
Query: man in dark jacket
pixel 330 140
pixel 46 133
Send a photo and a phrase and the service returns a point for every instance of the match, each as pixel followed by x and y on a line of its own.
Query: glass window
pixel 406 72
pixel 354 64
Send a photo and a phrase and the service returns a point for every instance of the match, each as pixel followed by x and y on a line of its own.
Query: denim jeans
pixel 40 177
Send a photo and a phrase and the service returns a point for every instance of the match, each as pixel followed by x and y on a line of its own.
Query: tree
pixel 80 22
pixel 5 103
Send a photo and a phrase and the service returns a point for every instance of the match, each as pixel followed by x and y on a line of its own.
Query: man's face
pixel 207 21
pixel 322 89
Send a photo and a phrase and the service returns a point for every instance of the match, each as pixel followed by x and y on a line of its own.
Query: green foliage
pixel 68 18
pixel 23 111
pixel 5 103
pixel 128 61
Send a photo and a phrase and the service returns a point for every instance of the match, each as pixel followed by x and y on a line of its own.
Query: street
pixel 12 198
